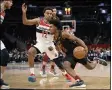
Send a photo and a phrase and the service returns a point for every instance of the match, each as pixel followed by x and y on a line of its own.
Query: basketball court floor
pixel 16 76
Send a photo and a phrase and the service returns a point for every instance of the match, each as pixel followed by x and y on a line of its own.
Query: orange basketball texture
pixel 79 52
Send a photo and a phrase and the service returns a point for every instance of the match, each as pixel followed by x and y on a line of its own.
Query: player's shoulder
pixel 38 19
pixel 41 18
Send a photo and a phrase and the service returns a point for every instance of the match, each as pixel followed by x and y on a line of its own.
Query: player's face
pixel 54 12
pixel 8 4
pixel 52 29
pixel 48 14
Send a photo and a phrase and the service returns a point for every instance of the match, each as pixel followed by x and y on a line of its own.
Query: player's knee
pixel 4 57
pixel 31 52
pixel 66 65
pixel 58 62
pixel 45 58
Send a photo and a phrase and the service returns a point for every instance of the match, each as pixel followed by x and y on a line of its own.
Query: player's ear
pixel 44 14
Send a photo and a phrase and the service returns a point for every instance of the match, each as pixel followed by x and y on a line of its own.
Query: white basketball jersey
pixel 43 33
pixel 45 39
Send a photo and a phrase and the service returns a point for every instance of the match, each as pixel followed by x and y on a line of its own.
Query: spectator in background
pixel 108 54
pixel 101 53
pixel 98 51
pixel 104 54
pixel 86 40
pixel 54 13
pixel 92 53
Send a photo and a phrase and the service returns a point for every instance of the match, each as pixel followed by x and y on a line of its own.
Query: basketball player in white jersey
pixel 45 57
pixel 5 4
pixel 43 36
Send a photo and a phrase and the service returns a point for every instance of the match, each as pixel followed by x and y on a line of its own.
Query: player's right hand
pixel 24 8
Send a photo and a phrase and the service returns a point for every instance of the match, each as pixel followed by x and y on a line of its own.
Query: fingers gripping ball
pixel 79 52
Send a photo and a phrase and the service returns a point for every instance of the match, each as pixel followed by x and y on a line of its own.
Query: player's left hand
pixel 24 8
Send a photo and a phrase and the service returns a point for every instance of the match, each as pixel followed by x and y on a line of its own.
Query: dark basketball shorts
pixel 74 61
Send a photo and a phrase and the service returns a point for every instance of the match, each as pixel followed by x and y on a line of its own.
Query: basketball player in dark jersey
pixel 5 4
pixel 61 53
pixel 69 42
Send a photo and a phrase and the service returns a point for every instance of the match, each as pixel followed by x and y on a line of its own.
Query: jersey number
pixel 44 34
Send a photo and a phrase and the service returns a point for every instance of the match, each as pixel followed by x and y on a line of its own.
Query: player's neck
pixel 57 34
pixel 45 20
pixel 3 6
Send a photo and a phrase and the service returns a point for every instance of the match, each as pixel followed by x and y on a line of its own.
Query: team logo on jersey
pixel 42 27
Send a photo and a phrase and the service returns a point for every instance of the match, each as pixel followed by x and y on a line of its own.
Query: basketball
pixel 79 52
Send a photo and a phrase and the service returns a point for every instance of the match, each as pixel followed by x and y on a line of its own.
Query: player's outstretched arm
pixel 24 17
pixel 74 38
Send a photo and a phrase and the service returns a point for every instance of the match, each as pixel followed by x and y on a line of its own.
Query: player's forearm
pixel 25 20
pixel 79 41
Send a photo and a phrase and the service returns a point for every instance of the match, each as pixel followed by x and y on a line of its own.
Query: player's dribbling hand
pixel 24 8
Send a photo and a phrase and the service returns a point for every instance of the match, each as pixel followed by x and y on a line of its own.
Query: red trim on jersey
pixel 42 22
pixel 2 13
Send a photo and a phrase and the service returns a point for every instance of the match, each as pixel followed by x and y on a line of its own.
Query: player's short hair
pixel 1 0
pixel 57 23
pixel 47 8
pixel 53 7
pixel 5 0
